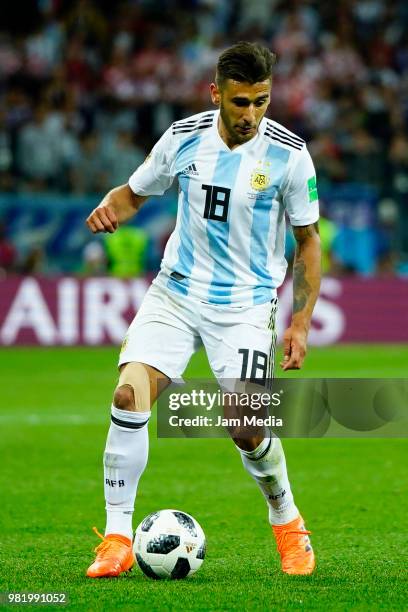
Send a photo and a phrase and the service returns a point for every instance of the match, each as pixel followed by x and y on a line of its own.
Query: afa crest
pixel 260 178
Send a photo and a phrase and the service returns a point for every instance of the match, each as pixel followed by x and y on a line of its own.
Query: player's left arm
pixel 306 285
pixel 302 206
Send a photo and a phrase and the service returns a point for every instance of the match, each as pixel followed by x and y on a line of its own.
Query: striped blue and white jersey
pixel 228 243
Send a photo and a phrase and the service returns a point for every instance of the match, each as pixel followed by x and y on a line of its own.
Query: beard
pixel 232 132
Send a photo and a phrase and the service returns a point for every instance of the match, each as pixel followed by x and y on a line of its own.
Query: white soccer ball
pixel 169 544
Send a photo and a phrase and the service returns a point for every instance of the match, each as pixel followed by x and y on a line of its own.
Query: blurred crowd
pixel 87 87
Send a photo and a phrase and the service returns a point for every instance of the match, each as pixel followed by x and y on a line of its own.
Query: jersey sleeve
pixel 155 176
pixel 300 193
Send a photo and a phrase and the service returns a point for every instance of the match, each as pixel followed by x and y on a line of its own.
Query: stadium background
pixel 86 88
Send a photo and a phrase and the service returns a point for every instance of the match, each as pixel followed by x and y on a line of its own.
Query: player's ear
pixel 215 94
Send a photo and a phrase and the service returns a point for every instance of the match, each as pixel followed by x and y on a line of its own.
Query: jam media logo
pixel 260 179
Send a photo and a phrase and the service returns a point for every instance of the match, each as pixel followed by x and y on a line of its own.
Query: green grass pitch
pixel 54 419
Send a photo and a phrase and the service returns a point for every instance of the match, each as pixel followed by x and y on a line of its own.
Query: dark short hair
pixel 245 62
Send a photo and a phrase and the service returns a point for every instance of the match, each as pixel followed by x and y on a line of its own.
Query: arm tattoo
pixel 301 232
pixel 301 288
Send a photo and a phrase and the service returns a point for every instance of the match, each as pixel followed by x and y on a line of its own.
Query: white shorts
pixel 168 329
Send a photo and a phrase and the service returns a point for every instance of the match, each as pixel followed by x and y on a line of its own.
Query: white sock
pixel 267 466
pixel 124 461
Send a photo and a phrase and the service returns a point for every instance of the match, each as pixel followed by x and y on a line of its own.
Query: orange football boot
pixel 114 555
pixel 294 547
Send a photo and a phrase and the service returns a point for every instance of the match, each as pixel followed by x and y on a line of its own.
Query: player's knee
pixel 124 398
pixel 133 390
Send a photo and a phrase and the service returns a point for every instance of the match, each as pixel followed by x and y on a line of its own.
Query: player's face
pixel 242 107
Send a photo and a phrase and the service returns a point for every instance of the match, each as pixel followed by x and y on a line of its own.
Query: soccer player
pixel 238 174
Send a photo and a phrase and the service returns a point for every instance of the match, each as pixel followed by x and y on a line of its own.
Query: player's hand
pixel 294 348
pixel 102 219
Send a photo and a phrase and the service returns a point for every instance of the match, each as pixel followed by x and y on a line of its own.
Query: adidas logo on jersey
pixel 191 170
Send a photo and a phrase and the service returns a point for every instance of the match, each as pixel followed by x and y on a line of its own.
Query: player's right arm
pixel 119 205
pixel 153 177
